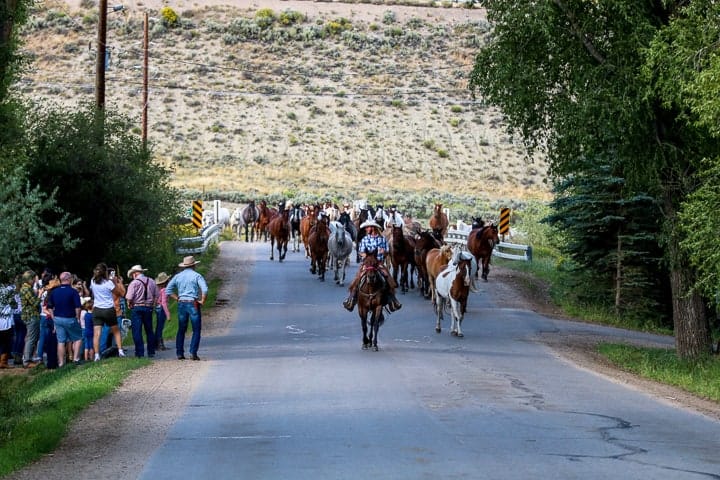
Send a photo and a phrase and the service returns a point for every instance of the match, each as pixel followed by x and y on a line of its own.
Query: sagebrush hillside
pixel 336 100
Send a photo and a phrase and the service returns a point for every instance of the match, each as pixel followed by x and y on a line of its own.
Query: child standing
pixel 86 322
pixel 162 313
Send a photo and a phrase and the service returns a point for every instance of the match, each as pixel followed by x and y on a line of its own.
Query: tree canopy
pixel 580 80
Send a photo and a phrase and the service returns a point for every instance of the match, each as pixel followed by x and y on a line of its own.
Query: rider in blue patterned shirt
pixel 373 240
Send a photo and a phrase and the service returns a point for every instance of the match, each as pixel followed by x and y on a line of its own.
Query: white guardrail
pixel 459 238
pixel 207 237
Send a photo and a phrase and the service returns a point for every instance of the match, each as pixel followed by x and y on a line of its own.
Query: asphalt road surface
pixel 290 394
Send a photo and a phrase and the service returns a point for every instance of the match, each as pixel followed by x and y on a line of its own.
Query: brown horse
pixel 435 262
pixel 480 243
pixel 370 300
pixel 279 228
pixel 306 224
pixel 439 222
pixel 402 256
pixel 265 215
pixel 424 242
pixel 318 242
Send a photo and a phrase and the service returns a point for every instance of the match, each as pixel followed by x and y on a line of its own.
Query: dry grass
pixel 380 108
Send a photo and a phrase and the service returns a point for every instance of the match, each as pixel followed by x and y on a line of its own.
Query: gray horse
pixel 340 246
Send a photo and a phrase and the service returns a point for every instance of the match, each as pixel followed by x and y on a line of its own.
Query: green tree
pixel 567 75
pixel 611 239
pixel 26 239
pixel 120 197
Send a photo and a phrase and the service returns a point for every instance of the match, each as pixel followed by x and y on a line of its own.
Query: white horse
pixel 453 286
pixel 340 246
pixel 236 222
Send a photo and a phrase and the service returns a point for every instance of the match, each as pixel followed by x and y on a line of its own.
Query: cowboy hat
pixel 135 268
pixel 85 300
pixel 162 278
pixel 188 261
pixel 370 223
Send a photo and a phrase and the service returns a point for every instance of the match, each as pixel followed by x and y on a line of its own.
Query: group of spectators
pixel 57 319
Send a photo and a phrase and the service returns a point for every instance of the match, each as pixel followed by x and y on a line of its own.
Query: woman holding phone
pixel 102 287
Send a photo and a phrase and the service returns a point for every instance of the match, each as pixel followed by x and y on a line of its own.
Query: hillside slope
pixel 337 100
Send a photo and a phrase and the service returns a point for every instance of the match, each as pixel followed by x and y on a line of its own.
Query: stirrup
pixel 349 304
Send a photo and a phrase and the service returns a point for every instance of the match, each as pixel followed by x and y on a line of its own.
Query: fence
pixel 459 238
pixel 207 237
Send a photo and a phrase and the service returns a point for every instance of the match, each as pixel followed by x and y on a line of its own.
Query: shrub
pixel 290 17
pixel 169 17
pixel 264 18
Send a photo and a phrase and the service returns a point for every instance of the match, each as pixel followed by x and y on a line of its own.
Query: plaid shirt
pixel 373 242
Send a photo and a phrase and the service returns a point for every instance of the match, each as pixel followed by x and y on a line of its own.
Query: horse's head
pixel 492 234
pixel 477 222
pixel 397 233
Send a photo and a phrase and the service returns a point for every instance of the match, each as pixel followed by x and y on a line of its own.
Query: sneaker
pixel 121 352
pixel 78 362
pixel 97 357
pixel 30 365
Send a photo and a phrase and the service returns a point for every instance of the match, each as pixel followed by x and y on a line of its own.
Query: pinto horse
pixel 318 242
pixel 435 262
pixel 439 222
pixel 480 243
pixel 279 228
pixel 340 246
pixel 371 295
pixel 296 216
pixel 424 242
pixel 453 286
pixel 402 256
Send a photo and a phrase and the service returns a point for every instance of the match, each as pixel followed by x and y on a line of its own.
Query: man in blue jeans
pixel 190 290
pixel 142 295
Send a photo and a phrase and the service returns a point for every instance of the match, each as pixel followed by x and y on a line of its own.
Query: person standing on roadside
pixel 7 295
pixel 190 290
pixel 102 288
pixel 142 296
pixel 64 306
pixel 30 315
pixel 162 311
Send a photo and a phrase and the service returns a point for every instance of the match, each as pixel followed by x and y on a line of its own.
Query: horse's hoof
pixel 438 330
pixel 454 334
pixel 459 335
pixel 365 347
pixel 375 348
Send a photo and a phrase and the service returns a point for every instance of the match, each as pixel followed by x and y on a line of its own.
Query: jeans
pixel 31 339
pixel 19 332
pixel 49 344
pixel 188 312
pixel 142 318
pixel 160 318
pixel 42 336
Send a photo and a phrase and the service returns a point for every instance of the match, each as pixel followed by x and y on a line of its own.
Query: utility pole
pixel 100 60
pixel 145 83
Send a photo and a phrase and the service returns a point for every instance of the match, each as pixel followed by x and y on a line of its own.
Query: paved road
pixel 291 395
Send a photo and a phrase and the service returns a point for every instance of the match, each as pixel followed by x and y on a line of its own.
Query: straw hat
pixel 135 268
pixel 370 223
pixel 188 261
pixel 162 278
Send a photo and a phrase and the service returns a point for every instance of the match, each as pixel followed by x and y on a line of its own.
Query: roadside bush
pixel 169 17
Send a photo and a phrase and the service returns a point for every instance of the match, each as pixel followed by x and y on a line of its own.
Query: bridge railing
pixel 207 237
pixel 458 238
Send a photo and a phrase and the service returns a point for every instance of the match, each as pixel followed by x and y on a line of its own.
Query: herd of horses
pixel 445 275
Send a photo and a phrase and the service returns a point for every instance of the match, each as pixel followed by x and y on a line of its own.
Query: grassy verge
pixel 662 365
pixel 36 409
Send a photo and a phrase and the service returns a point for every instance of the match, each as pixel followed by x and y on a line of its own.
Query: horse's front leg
pixel 282 249
pixel 485 270
pixel 363 324
pixel 439 304
pixel 272 247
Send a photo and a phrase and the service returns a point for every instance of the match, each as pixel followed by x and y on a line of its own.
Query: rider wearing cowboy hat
pixel 373 240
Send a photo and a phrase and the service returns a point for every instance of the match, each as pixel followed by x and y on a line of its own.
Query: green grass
pixel 36 409
pixel 662 365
